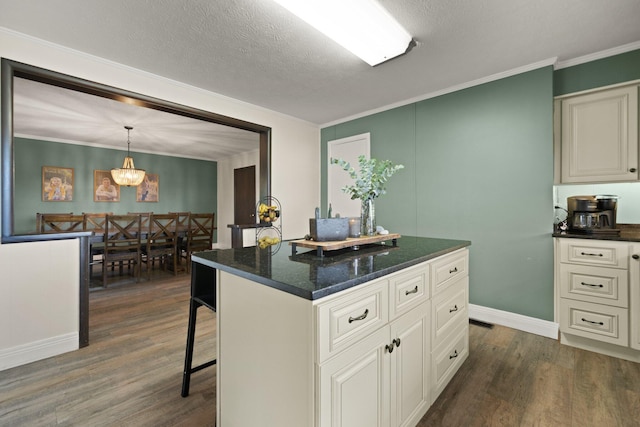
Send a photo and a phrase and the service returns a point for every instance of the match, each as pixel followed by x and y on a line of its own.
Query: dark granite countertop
pixel 311 277
pixel 628 233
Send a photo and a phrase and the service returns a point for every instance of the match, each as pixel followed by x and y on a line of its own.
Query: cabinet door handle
pixel 633 170
pixel 592 285
pixel 635 256
pixel 389 348
pixel 361 317
pixel 454 355
pixel 412 291
pixel 396 341
pixel 592 322
pixel 455 308
pixel 589 254
pixel 454 270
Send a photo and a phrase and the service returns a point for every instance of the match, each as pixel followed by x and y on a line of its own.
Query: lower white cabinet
pixel 354 385
pixel 410 367
pixel 634 272
pixel 362 357
pixel 383 380
pixel 390 377
pixel 598 295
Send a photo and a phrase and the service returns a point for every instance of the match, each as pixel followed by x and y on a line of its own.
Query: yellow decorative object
pixel 267 213
pixel 266 241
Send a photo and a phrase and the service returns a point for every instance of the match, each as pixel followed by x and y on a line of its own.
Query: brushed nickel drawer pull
pixel 455 308
pixel 454 355
pixel 592 285
pixel 412 291
pixel 455 270
pixel 592 322
pixel 361 317
pixel 589 254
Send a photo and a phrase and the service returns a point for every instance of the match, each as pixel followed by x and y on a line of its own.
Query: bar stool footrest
pixel 204 365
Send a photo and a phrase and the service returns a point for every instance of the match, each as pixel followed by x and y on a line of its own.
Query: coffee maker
pixel 592 214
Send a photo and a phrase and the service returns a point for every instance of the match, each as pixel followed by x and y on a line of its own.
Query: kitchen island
pixel 357 337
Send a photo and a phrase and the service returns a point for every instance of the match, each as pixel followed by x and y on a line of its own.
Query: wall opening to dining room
pixel 12 70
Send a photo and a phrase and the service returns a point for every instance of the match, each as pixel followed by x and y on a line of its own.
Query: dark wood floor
pixel 131 373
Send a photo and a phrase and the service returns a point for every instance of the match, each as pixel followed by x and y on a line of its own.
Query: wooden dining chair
pixel 182 220
pixel 183 227
pixel 144 218
pixel 95 223
pixel 122 243
pixel 162 242
pixel 60 223
pixel 199 235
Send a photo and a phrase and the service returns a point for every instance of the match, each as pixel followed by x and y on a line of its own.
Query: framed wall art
pixel 57 184
pixel 104 189
pixel 149 189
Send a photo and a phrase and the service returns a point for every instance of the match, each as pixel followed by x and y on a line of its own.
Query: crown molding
pixel 597 55
pixel 456 88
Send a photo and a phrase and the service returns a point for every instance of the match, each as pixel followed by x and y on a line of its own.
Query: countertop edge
pixel 314 295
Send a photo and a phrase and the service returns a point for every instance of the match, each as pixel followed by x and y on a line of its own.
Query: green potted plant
pixel 369 184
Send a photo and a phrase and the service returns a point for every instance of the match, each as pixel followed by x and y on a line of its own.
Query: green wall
pixel 602 72
pixel 479 167
pixel 185 184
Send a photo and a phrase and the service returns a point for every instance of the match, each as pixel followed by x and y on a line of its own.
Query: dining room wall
pixel 183 185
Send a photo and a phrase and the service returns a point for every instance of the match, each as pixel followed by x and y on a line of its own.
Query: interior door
pixel 347 149
pixel 244 195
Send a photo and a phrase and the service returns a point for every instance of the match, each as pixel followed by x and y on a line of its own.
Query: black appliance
pixel 592 214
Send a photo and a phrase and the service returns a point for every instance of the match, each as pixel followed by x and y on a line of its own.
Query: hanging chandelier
pixel 128 174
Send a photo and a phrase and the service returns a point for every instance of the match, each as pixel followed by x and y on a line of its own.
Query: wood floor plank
pixel 551 396
pixel 596 398
pixel 496 413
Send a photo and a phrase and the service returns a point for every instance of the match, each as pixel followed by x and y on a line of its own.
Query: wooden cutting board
pixel 341 244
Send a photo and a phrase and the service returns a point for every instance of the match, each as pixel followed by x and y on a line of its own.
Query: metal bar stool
pixel 203 294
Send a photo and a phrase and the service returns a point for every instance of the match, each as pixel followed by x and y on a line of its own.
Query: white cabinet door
pixel 354 385
pixel 600 136
pixel 410 367
pixel 634 304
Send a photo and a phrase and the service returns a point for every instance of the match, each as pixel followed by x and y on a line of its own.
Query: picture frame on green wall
pixel 104 189
pixel 149 189
pixel 57 184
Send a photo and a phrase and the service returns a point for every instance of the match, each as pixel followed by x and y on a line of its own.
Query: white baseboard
pixel 38 350
pixel 516 321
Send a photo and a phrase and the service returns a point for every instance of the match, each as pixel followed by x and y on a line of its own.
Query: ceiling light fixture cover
pixel 128 174
pixel 363 27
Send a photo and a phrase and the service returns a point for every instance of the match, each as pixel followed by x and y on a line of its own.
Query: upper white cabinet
pixel 599 136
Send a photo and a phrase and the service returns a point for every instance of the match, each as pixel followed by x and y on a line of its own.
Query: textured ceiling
pixel 255 51
pixel 43 111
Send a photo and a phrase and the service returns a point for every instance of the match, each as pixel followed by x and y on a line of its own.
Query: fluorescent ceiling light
pixel 362 26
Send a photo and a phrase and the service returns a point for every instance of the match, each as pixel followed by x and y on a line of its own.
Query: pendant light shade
pixel 128 174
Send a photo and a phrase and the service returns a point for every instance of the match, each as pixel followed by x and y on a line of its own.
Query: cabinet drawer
pixel 595 321
pixel 344 320
pixel 449 311
pixel 447 269
pixel 408 290
pixel 446 360
pixel 595 284
pixel 584 251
